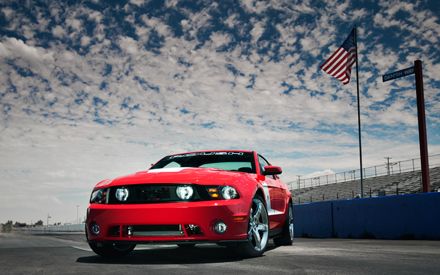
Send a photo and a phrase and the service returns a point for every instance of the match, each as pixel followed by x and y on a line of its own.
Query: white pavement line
pixel 82 248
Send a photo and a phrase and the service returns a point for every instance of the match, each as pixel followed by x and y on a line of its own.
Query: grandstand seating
pixel 396 184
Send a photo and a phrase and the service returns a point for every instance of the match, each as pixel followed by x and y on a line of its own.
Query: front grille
pixel 156 193
pixel 114 231
pixel 154 230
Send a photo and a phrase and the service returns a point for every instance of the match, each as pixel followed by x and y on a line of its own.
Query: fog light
pixel 95 229
pixel 220 227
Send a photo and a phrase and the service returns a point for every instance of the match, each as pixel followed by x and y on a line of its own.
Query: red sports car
pixel 232 198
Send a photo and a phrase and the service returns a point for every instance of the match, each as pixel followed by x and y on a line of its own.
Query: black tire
pixel 258 230
pixel 186 245
pixel 287 235
pixel 111 250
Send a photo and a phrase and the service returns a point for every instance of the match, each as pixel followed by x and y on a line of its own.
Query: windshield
pixel 230 161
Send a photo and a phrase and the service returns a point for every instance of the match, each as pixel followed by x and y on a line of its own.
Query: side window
pixel 263 162
pixel 172 164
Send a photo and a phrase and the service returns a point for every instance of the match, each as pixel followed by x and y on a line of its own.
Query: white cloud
pixel 7 12
pixel 197 20
pixel 341 9
pixel 74 23
pixel 326 172
pixel 384 22
pixel 58 31
pixel 94 15
pixel 12 47
pixel 310 45
pixel 129 45
pixel 220 39
pixel 257 31
pixel 256 6
pixel 137 2
pixel 85 40
pixel 382 58
pixel 304 7
pixel 155 24
pixel 232 21
pixel 171 3
pixel 359 14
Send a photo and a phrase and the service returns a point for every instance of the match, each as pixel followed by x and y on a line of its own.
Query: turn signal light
pixel 213 192
pixel 239 218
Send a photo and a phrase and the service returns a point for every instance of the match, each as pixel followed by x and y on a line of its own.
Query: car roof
pixel 204 151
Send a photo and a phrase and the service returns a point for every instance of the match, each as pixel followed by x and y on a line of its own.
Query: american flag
pixel 339 63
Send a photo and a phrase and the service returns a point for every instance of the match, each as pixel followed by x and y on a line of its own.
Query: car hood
pixel 202 176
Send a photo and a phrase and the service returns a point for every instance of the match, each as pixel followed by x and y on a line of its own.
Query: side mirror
pixel 270 170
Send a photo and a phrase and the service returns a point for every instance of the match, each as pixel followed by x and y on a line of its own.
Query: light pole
pixel 388 165
pixel 77 220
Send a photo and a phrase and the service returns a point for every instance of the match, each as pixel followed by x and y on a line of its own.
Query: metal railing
pixel 389 168
pixel 68 228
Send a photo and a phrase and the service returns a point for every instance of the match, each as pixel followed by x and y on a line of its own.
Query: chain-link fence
pixel 388 168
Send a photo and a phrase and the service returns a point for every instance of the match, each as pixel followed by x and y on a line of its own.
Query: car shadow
pixel 171 255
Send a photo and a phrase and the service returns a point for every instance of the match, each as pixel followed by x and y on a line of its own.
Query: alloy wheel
pixel 258 233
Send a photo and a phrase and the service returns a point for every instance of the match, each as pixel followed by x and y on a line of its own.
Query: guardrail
pixel 389 168
pixel 68 228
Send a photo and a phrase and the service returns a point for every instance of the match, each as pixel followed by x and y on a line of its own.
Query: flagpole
pixel 359 114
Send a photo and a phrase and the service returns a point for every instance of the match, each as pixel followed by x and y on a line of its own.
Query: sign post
pixel 423 141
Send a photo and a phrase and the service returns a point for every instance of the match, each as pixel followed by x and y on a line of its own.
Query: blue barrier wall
pixel 415 216
pixel 313 220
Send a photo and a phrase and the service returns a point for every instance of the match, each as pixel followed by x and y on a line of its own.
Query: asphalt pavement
pixel 70 254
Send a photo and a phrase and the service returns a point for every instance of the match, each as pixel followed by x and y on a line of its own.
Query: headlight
pixel 99 196
pixel 222 192
pixel 184 192
pixel 229 192
pixel 121 194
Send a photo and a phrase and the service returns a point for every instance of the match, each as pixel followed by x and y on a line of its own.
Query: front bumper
pixel 118 222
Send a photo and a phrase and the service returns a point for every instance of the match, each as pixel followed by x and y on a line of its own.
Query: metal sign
pixel 398 74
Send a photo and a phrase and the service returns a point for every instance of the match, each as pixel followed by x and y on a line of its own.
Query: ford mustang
pixel 231 198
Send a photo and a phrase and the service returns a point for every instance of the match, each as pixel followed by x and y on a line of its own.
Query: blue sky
pixel 96 89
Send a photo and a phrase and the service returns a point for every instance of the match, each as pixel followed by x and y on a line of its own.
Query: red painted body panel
pixel 203 214
pixel 234 213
